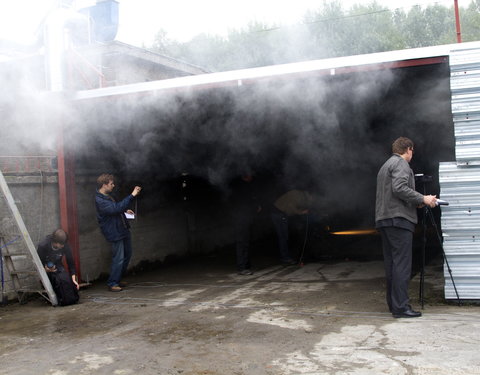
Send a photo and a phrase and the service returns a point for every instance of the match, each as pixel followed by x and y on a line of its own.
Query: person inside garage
pixel 293 202
pixel 246 206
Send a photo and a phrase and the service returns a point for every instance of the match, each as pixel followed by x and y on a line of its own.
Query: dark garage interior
pixel 328 134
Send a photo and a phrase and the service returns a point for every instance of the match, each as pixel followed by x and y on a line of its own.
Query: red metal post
pixel 457 22
pixel 68 198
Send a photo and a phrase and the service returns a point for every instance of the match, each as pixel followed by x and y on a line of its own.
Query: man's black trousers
pixel 243 229
pixel 397 254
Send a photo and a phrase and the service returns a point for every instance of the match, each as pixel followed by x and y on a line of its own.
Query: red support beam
pixel 68 199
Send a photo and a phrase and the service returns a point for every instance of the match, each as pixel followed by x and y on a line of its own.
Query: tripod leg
pixel 300 261
pixel 422 269
pixel 430 214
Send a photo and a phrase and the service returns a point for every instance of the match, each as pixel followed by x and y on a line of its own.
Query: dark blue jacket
pixel 110 217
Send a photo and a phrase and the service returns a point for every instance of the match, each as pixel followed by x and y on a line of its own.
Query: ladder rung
pixel 26 290
pixel 16 255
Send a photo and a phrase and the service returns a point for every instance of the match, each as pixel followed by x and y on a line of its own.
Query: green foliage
pixel 363 29
pixel 329 31
pixel 470 22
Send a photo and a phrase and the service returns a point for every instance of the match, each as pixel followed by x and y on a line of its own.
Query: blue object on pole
pixel 104 16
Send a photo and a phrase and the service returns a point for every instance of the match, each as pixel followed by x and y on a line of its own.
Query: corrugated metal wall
pixel 460 180
pixel 460 186
pixel 465 85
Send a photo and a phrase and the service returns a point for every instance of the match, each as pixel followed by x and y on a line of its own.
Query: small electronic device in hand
pixel 441 202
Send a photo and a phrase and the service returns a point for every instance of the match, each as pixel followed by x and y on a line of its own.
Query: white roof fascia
pixel 235 77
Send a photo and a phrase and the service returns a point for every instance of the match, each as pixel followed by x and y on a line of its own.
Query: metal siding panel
pixel 465 86
pixel 460 186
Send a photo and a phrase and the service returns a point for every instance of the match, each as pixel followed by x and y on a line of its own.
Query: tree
pixel 329 31
pixel 470 22
pixel 362 29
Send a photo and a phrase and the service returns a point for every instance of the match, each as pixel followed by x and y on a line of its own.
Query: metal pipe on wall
pixel 56 40
pixel 457 23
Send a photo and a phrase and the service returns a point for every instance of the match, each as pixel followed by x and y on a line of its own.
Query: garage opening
pixel 325 133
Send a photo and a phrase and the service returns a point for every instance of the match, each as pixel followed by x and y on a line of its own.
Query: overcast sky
pixel 182 19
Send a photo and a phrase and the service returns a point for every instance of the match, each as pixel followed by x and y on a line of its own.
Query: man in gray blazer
pixel 395 219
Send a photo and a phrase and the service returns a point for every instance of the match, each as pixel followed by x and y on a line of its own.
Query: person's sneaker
pixel 122 284
pixel 245 272
pixel 115 288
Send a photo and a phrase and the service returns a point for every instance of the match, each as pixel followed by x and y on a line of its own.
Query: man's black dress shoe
pixel 407 314
pixel 289 262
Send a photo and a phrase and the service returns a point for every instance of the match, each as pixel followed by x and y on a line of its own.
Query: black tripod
pixel 427 212
pixel 422 275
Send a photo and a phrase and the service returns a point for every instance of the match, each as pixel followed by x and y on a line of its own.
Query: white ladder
pixel 30 252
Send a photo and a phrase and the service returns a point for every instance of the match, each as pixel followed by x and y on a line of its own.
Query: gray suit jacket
pixel 396 195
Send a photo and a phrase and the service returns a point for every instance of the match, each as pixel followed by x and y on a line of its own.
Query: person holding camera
pixel 115 228
pixel 51 251
pixel 395 218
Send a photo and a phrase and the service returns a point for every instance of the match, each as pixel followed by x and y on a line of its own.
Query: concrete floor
pixel 202 318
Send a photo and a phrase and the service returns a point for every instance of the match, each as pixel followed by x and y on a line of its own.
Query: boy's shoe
pixel 245 272
pixel 115 288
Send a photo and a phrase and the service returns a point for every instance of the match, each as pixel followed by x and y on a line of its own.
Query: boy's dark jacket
pixel 47 254
pixel 110 216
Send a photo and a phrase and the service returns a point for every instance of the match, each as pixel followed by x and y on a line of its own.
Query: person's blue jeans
pixel 121 254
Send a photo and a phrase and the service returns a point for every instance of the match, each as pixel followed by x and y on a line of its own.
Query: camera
pixel 423 177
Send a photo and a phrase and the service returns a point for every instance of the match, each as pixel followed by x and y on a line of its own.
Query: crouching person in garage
pixel 395 218
pixel 115 228
pixel 51 251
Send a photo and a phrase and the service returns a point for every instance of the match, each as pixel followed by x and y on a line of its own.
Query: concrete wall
pixel 125 70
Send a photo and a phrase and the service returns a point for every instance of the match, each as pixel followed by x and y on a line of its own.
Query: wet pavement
pixel 201 317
